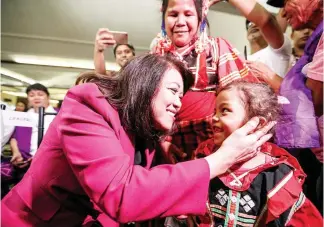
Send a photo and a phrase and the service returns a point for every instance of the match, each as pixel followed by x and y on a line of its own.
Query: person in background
pixel 6 130
pixel 299 38
pixel 122 52
pixel 298 129
pixel 314 72
pixel 255 37
pixel 264 72
pixel 24 141
pixel 21 106
pixel 104 125
pixel 268 43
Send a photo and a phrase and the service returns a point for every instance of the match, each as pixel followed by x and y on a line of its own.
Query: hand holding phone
pixel 120 37
pixel 104 39
pixel 24 164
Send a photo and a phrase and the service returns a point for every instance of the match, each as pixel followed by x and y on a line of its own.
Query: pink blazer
pixel 86 152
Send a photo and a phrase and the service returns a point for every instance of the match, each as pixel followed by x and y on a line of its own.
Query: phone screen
pixel 120 37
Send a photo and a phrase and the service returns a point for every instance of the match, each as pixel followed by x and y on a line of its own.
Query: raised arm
pixel 103 40
pixel 267 23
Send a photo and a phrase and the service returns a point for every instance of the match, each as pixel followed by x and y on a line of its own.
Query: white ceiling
pixel 46 31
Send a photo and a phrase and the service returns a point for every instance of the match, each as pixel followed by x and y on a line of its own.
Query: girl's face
pixel 167 101
pixel 181 22
pixel 230 115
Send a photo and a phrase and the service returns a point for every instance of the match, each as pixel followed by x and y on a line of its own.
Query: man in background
pixel 299 38
pixel 122 52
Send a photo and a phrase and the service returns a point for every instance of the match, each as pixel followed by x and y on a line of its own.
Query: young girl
pixel 265 190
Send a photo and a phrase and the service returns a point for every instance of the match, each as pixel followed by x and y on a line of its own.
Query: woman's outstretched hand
pixel 241 145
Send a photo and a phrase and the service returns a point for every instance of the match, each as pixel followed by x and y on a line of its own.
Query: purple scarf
pixel 297 127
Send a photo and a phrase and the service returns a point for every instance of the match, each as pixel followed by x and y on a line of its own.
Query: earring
pixel 163 29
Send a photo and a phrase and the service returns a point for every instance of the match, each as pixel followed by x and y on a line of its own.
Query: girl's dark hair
pixel 259 99
pixel 132 89
pixel 198 5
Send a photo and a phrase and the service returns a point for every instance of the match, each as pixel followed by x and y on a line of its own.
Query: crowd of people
pixel 203 138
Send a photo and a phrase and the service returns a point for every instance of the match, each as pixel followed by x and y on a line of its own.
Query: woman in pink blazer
pixel 87 155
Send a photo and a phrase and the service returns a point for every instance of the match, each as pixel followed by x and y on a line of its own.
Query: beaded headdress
pixel 163 45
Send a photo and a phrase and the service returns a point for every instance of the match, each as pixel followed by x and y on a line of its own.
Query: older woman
pixel 213 61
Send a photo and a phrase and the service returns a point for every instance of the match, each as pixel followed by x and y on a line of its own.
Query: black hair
pixel 129 46
pixel 37 87
pixel 132 89
pixel 198 6
pixel 259 99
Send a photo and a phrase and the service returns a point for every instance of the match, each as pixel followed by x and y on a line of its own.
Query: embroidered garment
pixel 223 65
pixel 269 194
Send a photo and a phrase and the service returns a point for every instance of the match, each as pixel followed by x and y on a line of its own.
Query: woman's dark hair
pixel 132 89
pixel 198 5
pixel 259 99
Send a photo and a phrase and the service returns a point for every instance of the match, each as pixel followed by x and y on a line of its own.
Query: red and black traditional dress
pixel 269 194
pixel 215 64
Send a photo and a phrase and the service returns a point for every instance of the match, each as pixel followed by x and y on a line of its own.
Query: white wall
pixel 230 27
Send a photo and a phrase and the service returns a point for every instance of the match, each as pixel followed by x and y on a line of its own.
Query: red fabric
pixel 194 120
pixel 284 198
pixel 202 72
pixel 286 195
pixel 306 216
pixel 279 156
pixel 86 151
pixel 195 106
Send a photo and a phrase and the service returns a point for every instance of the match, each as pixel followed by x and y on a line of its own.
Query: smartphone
pixel 22 163
pixel 120 37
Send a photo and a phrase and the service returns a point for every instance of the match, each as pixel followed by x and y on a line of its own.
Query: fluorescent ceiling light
pixel 60 62
pixel 23 94
pixel 14 93
pixel 16 76
pixel 10 82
